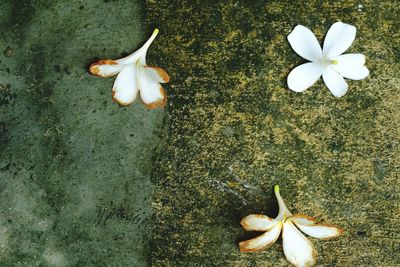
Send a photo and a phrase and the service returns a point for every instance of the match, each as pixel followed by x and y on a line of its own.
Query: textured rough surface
pixel 235 130
pixel 74 167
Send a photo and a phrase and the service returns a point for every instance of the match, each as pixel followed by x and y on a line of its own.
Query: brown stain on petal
pixel 159 103
pixel 340 231
pixel 244 224
pixel 303 216
pixel 162 73
pixel 94 67
pixel 244 246
pixel 107 62
pixel 115 100
pixel 244 221
pixel 314 255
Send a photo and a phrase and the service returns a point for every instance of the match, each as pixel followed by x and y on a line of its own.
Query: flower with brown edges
pixel 298 250
pixel 134 76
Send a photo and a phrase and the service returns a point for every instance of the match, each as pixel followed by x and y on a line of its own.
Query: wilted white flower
pixel 298 250
pixel 134 76
pixel 328 62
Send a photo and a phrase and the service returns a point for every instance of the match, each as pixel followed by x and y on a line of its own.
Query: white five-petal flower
pixel 328 62
pixel 298 250
pixel 134 76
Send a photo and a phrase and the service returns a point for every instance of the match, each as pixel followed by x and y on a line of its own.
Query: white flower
pixel 328 62
pixel 134 76
pixel 298 250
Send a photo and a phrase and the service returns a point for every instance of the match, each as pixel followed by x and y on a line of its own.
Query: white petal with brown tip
pixel 125 88
pixel 151 92
pixel 134 75
pixel 105 68
pixel 309 226
pixel 303 219
pixel 322 231
pixel 263 241
pixel 298 250
pixel 257 222
pixel 157 74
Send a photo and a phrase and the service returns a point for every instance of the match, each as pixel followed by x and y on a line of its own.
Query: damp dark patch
pixel 46 114
pixel 22 13
pixel 57 156
pixel 7 96
pixel 4 136
pixel 361 234
pixel 108 212
pixel 8 52
pixel 336 145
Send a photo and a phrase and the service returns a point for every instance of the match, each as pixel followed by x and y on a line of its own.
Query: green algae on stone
pixel 235 129
pixel 74 167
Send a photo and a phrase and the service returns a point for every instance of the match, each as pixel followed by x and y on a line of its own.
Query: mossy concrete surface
pixel 235 130
pixel 74 167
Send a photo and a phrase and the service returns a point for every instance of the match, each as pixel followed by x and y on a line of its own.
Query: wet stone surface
pixel 74 167
pixel 235 130
pixel 84 182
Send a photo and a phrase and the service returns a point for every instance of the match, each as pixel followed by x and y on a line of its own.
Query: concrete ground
pixel 235 130
pixel 74 167
pixel 84 182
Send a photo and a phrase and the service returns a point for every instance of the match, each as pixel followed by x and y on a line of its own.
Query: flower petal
pixel 125 88
pixel 322 231
pixel 263 241
pixel 351 66
pixel 257 222
pixel 283 210
pixel 157 74
pixel 298 250
pixel 351 60
pixel 105 68
pixel 335 82
pixel 139 54
pixel 303 76
pixel 305 44
pixel 151 92
pixel 339 38
pixel 356 73
pixel 303 219
pixel 309 226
